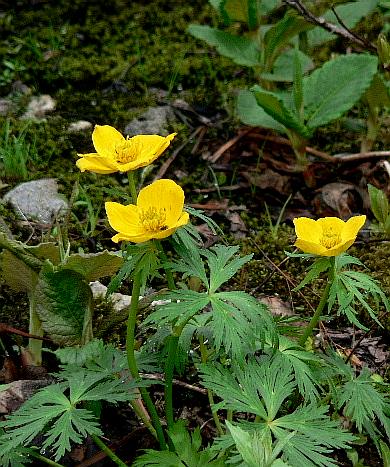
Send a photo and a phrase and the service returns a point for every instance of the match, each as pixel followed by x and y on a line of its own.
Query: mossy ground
pixel 102 62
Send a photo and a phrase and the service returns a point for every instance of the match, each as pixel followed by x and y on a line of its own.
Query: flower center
pixel 125 151
pixel 330 237
pixel 153 219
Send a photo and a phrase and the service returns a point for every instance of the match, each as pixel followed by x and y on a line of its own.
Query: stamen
pixel 153 220
pixel 126 151
pixel 330 237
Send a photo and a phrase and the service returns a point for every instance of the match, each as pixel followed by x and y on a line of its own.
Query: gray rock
pixel 37 200
pixel 154 121
pixel 79 126
pixel 39 106
pixel 18 392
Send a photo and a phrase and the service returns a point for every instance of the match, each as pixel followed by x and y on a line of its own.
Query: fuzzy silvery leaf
pixel 240 49
pixel 94 266
pixel 274 104
pixel 279 36
pixel 335 87
pixel 62 300
pixel 250 112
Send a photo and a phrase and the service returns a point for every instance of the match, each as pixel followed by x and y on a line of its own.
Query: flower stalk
pixel 131 361
pixel 111 454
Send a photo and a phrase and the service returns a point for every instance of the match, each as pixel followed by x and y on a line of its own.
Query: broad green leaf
pixel 280 35
pixel 94 266
pixel 241 50
pixel 16 273
pixel 250 113
pixel 379 204
pixel 283 69
pixel 275 106
pixel 63 303
pixel 350 13
pixel 335 87
pixel 378 94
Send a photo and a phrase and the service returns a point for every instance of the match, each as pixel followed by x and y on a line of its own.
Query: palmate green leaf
pixel 364 404
pixel 256 449
pixel 56 415
pixel 140 257
pixel 319 266
pixel 188 451
pixel 350 13
pixel 260 387
pixel 184 304
pixel 276 107
pixel 335 87
pixel 287 352
pixel 237 321
pixel 223 264
pixel 250 113
pixel 241 50
pixel 190 262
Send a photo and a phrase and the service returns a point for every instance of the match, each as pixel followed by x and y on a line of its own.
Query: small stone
pixel 37 200
pixel 20 87
pixel 39 106
pixel 6 107
pixel 154 121
pixel 79 126
pixel 18 392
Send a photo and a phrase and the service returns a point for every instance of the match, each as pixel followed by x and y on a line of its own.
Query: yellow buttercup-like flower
pixel 115 153
pixel 157 214
pixel 328 236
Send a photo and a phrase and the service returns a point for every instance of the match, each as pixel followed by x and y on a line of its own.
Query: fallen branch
pixel 321 22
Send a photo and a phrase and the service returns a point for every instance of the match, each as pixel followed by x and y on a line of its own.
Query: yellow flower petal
pixel 338 249
pixel 307 229
pixel 105 138
pixel 95 163
pixel 333 223
pixel 123 218
pixel 310 247
pixel 352 227
pixel 163 194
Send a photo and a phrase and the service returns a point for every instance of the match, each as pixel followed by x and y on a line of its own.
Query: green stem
pixel 168 272
pixel 169 369
pixel 44 459
pixel 203 356
pixel 317 314
pixel 35 328
pixel 131 361
pixel 111 454
pixel 132 186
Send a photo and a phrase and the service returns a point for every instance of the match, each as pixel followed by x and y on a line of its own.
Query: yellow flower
pixel 157 214
pixel 328 236
pixel 115 153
